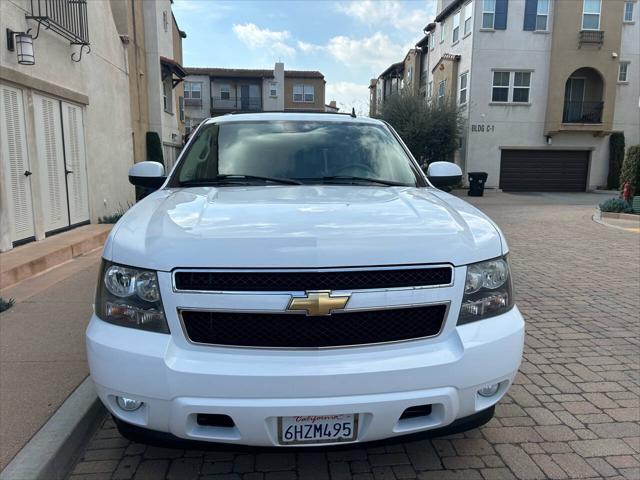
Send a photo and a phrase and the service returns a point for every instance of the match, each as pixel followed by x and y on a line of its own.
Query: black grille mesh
pixel 281 330
pixel 300 281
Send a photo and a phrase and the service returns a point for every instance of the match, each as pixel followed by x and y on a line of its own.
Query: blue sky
pixel 348 41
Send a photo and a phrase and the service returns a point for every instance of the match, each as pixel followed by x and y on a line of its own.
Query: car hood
pixel 301 227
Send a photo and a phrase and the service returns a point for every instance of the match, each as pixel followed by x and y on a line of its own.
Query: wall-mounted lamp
pixel 22 43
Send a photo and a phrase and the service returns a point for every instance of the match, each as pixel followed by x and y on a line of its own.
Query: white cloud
pixel 349 95
pixel 255 37
pixel 309 47
pixel 375 52
pixel 390 12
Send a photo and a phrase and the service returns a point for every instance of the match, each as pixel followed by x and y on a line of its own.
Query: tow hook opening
pixel 416 412
pixel 214 420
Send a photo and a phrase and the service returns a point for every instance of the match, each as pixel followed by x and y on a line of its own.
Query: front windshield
pixel 307 152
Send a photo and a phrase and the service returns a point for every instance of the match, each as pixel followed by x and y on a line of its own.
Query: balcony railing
pixel 582 112
pixel 592 36
pixel 67 18
pixel 247 104
pixel 193 102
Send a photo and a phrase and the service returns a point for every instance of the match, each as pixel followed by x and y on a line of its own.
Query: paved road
pixel 572 413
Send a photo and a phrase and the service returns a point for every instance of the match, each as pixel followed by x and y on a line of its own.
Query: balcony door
pixel 574 99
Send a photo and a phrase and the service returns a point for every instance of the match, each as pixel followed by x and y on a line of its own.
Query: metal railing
pixel 67 18
pixel 582 112
pixel 592 36
pixel 237 103
pixel 193 102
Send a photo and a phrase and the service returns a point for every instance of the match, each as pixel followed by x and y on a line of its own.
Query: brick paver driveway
pixel 572 413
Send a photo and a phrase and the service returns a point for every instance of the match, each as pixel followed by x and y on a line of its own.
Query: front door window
pixel 244 97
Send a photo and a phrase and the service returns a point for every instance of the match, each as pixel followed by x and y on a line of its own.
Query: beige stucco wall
pixel 568 55
pixel 101 77
pixel 446 69
pixel 128 16
pixel 412 62
pixel 179 90
pixel 318 88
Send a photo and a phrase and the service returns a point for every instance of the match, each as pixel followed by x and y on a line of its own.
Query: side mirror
pixel 444 174
pixel 147 175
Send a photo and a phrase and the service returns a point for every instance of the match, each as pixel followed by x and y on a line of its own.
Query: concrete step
pixel 28 260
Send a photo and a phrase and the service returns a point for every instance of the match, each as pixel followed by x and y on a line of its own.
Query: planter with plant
pixel 6 304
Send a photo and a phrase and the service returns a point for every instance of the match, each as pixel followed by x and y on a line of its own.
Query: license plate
pixel 317 429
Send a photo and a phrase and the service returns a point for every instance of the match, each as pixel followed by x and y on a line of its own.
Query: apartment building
pixel 80 85
pixel 410 76
pixel 153 43
pixel 63 158
pixel 215 91
pixel 389 82
pixel 542 85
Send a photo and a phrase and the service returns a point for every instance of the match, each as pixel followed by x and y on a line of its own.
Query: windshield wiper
pixel 348 178
pixel 236 178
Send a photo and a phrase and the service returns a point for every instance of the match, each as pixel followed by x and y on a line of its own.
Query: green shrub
pixel 154 148
pixel 616 205
pixel 114 217
pixel 6 304
pixel 616 157
pixel 431 130
pixel 631 170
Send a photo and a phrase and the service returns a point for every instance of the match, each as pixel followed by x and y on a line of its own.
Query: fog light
pixel 128 404
pixel 489 390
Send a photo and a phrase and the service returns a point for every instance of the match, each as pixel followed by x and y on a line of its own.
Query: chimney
pixel 333 104
pixel 278 77
pixel 278 71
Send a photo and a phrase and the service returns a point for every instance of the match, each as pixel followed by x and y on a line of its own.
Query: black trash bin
pixel 476 183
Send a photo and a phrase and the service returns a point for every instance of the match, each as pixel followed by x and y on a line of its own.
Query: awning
pixel 173 68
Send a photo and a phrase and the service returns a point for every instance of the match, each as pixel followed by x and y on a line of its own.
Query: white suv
pixel 297 280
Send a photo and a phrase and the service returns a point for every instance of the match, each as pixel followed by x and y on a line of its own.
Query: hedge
pixel 631 170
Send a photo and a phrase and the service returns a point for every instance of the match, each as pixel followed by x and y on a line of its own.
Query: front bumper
pixel 254 387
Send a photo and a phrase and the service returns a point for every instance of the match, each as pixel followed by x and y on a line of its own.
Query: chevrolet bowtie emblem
pixel 318 303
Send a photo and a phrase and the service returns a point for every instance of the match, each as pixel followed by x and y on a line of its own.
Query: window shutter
pixel 501 15
pixel 51 162
pixel 75 163
pixel 530 11
pixel 13 144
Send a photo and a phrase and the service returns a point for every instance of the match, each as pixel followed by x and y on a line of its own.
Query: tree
pixel 154 148
pixel 431 130
pixel 616 157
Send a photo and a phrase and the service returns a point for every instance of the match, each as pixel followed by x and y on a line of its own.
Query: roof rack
pixel 350 114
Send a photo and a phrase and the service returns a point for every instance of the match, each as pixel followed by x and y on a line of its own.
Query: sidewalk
pixel 25 261
pixel 42 355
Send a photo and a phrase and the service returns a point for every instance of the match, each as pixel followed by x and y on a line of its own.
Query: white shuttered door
pixel 51 162
pixel 16 163
pixel 75 161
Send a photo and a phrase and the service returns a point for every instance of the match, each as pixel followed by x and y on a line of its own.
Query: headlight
pixel 487 291
pixel 130 297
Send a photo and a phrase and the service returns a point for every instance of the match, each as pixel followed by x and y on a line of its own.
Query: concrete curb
pixel 598 218
pixel 52 451
pixel 621 216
